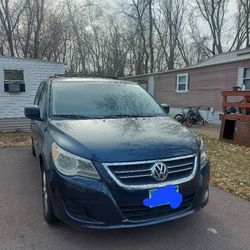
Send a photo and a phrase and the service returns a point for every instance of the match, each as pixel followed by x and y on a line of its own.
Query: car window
pixel 102 100
pixel 42 101
pixel 38 93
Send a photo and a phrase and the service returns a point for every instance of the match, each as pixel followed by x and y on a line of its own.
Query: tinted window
pixel 100 100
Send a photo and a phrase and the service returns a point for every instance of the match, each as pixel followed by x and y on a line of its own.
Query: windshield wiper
pixel 73 116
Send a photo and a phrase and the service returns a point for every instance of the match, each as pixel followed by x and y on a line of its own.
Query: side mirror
pixel 165 107
pixel 32 112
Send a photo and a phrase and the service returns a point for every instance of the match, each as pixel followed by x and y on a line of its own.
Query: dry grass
pixel 230 164
pixel 15 139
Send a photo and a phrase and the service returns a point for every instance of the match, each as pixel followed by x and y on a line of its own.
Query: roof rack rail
pixel 83 75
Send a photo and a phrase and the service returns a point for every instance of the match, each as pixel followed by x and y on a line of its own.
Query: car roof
pixel 90 79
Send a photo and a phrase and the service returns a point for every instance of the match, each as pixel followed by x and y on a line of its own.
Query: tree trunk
pixel 151 37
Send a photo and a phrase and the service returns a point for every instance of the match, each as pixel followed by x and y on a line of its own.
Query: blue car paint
pixel 125 139
pixel 114 140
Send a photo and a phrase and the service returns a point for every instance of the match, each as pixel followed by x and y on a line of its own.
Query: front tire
pixel 48 213
pixel 33 148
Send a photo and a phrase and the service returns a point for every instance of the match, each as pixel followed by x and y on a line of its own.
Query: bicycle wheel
pixel 200 121
pixel 189 122
pixel 179 118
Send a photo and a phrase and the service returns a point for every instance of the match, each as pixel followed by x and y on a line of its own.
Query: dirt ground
pixel 209 130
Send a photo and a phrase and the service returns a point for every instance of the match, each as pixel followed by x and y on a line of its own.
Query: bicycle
pixel 194 117
pixel 181 118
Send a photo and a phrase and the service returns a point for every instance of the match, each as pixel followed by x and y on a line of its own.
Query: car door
pixel 38 127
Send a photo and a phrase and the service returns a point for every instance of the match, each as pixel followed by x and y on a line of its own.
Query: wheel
pixel 48 213
pixel 33 148
pixel 179 118
pixel 200 121
pixel 189 122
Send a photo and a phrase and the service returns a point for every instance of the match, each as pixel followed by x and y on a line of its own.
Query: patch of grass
pixel 15 139
pixel 230 166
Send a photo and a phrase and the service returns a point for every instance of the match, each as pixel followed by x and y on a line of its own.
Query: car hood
pixel 126 139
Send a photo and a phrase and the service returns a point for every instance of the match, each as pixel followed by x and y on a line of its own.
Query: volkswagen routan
pixel 104 146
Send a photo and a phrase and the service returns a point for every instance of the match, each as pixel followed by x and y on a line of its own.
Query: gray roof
pixel 29 59
pixel 227 57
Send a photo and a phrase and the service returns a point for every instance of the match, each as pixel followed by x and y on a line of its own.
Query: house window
pixel 246 78
pixel 182 83
pixel 14 81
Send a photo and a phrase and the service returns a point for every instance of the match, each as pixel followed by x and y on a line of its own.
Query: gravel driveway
pixel 223 224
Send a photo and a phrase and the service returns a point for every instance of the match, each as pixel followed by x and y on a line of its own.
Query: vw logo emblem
pixel 159 171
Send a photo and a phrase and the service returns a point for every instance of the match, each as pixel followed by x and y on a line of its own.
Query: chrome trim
pixel 157 185
pixel 135 176
pixel 131 171
pixel 180 170
pixel 150 161
pixel 180 165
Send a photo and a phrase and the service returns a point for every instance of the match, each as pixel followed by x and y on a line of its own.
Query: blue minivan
pixel 105 145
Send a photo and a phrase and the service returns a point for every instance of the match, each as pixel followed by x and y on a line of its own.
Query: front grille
pixel 139 173
pixel 140 212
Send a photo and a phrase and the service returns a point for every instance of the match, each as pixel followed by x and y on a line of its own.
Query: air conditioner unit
pixel 17 86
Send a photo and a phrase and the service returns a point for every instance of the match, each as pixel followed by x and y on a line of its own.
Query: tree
pixel 213 11
pixel 151 46
pixel 243 17
pixel 169 28
pixel 10 13
pixel 136 13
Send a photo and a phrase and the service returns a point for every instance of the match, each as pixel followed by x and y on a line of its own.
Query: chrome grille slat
pixel 178 171
pixel 149 161
pixel 180 165
pixel 138 175
pixel 131 171
pixel 135 176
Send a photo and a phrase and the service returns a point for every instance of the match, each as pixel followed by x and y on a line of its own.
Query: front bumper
pixel 85 203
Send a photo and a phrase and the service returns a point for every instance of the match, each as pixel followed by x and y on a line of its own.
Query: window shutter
pixel 240 76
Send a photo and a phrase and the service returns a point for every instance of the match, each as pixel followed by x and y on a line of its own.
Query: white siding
pixel 14 124
pixel 12 104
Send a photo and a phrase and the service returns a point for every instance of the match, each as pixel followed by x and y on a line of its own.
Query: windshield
pixel 102 100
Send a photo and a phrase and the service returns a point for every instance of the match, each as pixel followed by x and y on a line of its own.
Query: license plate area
pixel 153 190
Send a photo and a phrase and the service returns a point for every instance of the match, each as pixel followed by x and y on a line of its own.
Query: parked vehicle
pixel 191 117
pixel 104 146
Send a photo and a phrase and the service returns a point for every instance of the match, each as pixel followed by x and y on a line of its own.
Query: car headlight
pixel 72 165
pixel 203 155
